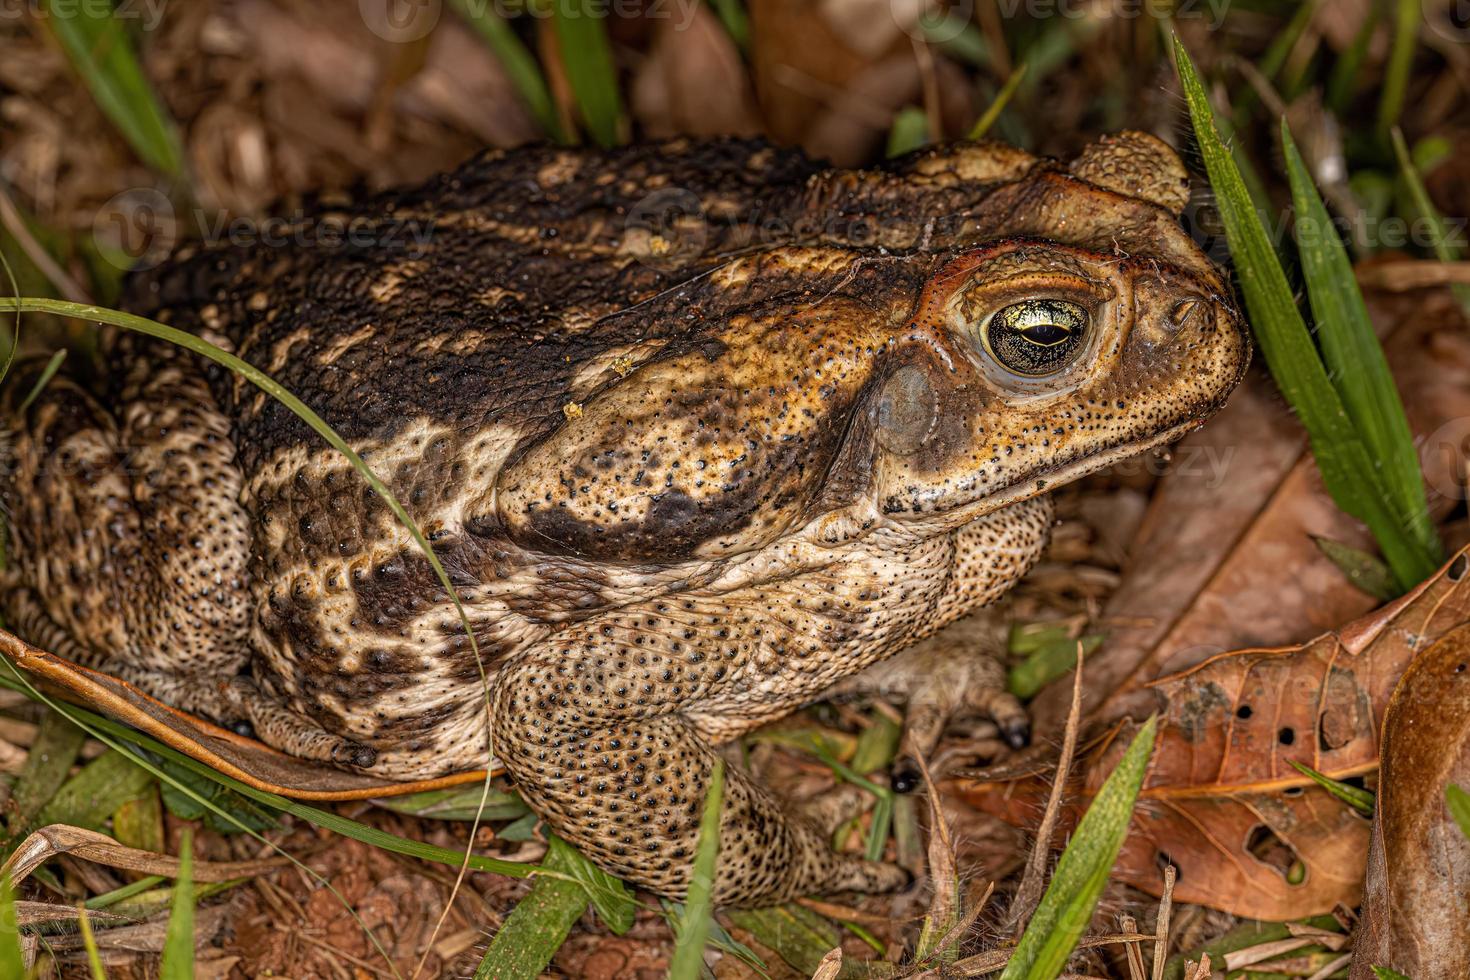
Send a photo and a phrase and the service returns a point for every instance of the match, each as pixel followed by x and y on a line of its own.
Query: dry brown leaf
pixel 40 913
pixel 146 937
pixel 1221 801
pixel 1416 905
pixel 245 759
pixel 694 81
pixel 1225 558
pixel 57 839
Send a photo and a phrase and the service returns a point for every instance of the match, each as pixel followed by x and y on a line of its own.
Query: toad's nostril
pixel 1183 310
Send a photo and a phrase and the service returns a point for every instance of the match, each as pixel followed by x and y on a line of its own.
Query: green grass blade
pixel 1407 14
pixel 10 676
pixel 1419 195
pixel 128 891
pixel 468 802
pixel 1289 350
pixel 877 745
pixel 699 904
pixel 1348 68
pixel 518 62
pixel 1359 799
pixel 1355 360
pixel 800 936
pixel 178 941
pixel 152 901
pixel 1274 59
pixel 12 958
pixel 910 130
pixel 1067 907
pixel 1384 973
pixel 586 55
pixel 538 925
pixel 1459 803
pixel 999 103
pixel 737 22
pixel 611 899
pixel 98 45
pixel 47 373
pixel 108 729
pixel 89 943
pixel 1367 572
pixel 1047 662
pixel 1243 936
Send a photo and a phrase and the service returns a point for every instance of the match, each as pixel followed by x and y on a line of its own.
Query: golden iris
pixel 1037 337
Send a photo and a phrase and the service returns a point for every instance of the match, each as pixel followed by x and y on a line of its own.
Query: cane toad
pixel 696 429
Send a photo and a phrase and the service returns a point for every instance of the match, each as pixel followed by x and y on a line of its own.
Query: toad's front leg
pixel 591 732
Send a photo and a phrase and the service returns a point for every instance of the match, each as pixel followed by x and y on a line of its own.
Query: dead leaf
pixel 1225 557
pixel 1221 802
pixel 693 82
pixel 88 845
pixel 1416 905
pixel 245 759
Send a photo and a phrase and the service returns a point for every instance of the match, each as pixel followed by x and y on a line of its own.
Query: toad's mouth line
pixel 1049 478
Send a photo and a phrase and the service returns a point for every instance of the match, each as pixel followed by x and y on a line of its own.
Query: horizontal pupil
pixel 1045 333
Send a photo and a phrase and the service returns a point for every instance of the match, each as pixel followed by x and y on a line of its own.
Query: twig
pixel 1198 971
pixel 1131 951
pixel 1161 923
pixel 843 912
pixel 1404 275
pixel 1265 951
pixel 996 959
pixel 1029 894
pixel 1332 967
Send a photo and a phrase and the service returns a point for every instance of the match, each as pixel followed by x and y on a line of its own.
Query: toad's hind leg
pixel 125 531
pixel 589 729
pixel 127 543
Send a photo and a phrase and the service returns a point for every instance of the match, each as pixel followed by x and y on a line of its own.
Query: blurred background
pixel 196 110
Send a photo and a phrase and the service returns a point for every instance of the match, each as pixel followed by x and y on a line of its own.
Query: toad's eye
pixel 1037 337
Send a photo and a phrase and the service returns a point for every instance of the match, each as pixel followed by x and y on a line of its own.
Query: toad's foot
pixel 949 674
pixel 625 780
pixel 284 729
